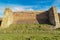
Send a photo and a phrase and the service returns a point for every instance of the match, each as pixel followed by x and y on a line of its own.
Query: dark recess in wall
pixel 43 18
pixel 59 16
pixel 0 22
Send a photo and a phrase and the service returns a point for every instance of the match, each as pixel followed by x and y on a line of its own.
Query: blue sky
pixel 21 5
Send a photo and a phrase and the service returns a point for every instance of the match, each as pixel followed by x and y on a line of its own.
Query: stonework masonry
pixel 7 19
pixel 31 17
pixel 53 17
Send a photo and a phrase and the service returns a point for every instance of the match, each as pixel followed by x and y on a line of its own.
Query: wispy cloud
pixel 20 8
pixel 14 7
pixel 38 5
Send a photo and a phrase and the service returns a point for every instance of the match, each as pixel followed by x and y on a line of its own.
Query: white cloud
pixel 20 7
pixel 30 9
pixel 23 8
pixel 14 8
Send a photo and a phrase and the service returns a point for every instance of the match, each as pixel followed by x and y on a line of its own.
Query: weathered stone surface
pixel 7 19
pixel 30 17
pixel 53 17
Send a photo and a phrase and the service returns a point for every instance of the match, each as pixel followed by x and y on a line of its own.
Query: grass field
pixel 29 32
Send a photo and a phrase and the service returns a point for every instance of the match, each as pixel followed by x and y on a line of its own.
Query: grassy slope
pixel 29 32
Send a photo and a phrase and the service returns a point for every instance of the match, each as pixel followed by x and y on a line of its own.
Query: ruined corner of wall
pixel 53 17
pixel 8 18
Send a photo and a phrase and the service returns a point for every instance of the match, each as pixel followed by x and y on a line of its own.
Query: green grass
pixel 29 32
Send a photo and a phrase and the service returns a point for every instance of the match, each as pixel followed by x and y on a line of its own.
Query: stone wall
pixel 53 17
pixel 7 19
pixel 30 17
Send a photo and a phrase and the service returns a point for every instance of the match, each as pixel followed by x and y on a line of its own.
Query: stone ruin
pixel 31 17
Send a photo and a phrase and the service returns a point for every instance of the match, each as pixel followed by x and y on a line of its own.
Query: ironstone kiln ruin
pixel 31 17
